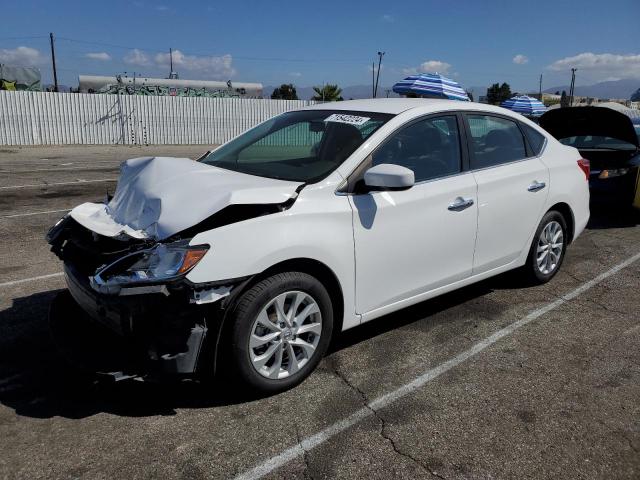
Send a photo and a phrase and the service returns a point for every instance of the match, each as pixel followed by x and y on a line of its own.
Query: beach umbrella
pixel 432 85
pixel 525 105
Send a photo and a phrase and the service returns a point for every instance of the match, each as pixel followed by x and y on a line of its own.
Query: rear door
pixel 512 189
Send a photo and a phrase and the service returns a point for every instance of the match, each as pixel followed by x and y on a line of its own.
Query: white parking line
pixel 58 183
pixel 325 435
pixel 32 279
pixel 15 215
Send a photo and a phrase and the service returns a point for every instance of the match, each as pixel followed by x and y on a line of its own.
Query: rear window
pixel 595 142
pixel 494 141
pixel 535 138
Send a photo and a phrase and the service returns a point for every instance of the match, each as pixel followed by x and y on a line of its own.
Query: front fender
pixel 252 246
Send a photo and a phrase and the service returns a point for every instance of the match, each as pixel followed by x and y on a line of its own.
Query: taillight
pixel 584 165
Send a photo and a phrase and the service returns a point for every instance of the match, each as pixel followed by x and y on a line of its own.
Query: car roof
pixel 398 105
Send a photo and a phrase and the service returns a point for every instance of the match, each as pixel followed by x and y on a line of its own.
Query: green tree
pixel 497 93
pixel 286 91
pixel 327 93
pixel 564 100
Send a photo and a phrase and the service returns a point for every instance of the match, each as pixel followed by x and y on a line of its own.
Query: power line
pixel 29 37
pixel 265 59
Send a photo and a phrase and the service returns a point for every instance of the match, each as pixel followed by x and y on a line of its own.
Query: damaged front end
pixel 126 261
pixel 129 310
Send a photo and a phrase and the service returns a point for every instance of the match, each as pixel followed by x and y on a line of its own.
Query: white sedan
pixel 248 261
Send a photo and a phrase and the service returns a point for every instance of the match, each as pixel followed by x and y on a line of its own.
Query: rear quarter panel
pixel 567 182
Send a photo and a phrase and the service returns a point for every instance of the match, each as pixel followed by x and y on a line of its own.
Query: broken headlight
pixel 160 263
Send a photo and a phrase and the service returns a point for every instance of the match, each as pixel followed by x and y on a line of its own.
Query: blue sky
pixel 307 43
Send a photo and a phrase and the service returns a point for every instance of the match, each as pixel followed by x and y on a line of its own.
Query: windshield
pixel 594 142
pixel 303 146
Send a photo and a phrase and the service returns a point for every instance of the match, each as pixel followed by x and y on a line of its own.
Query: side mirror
pixel 387 176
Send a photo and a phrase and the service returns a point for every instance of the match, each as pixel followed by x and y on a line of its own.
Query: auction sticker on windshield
pixel 350 119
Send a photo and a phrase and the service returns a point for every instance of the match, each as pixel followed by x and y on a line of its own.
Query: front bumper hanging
pixel 136 335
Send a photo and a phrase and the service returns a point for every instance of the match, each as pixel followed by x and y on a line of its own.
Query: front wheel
pixel 280 329
pixel 547 249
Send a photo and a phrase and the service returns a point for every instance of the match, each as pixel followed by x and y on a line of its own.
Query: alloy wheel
pixel 550 247
pixel 285 334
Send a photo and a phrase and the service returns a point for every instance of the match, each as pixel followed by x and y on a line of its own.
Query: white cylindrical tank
pixel 95 83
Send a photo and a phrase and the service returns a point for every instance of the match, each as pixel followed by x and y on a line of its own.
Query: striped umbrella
pixel 432 85
pixel 525 105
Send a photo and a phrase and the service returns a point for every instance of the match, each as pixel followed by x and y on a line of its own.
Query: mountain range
pixel 611 89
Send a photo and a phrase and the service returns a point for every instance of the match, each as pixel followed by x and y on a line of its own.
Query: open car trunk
pixel 564 123
pixel 605 137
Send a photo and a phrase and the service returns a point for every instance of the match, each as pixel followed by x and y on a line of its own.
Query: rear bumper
pixel 143 335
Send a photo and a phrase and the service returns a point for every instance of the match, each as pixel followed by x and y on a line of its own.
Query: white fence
pixel 42 118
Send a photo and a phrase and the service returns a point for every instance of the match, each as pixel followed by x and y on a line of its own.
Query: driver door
pixel 413 241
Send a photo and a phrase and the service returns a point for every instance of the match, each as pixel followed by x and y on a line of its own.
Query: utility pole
pixel 53 62
pixel 540 89
pixel 373 79
pixel 573 84
pixel 375 90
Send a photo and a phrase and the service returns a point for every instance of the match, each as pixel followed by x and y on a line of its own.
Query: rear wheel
pixel 278 332
pixel 547 249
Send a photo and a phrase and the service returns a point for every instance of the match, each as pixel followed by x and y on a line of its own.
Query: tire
pixel 539 273
pixel 240 360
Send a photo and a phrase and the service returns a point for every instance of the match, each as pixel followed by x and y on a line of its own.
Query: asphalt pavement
pixel 497 380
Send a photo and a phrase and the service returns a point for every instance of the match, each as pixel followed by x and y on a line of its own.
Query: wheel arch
pixel 565 210
pixel 310 266
pixel 319 270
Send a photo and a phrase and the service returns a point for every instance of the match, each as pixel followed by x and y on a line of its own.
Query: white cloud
pixel 295 74
pixel 138 58
pixel 102 56
pixel 220 68
pixel 600 66
pixel 430 66
pixel 520 59
pixel 162 8
pixel 388 18
pixel 21 56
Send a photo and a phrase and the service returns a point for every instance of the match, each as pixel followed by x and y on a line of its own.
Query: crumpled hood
pixel 157 197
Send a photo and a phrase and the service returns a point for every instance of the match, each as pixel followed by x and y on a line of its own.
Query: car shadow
pixel 36 381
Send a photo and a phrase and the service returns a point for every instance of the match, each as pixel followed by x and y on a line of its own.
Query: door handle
pixel 536 185
pixel 460 203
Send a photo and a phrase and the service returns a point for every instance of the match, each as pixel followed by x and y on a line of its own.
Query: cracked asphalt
pixel 557 398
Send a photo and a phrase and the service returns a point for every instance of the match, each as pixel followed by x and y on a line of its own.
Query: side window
pixel 536 139
pixel 494 141
pixel 430 147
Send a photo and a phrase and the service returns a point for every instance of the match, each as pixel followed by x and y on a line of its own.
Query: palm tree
pixel 327 93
